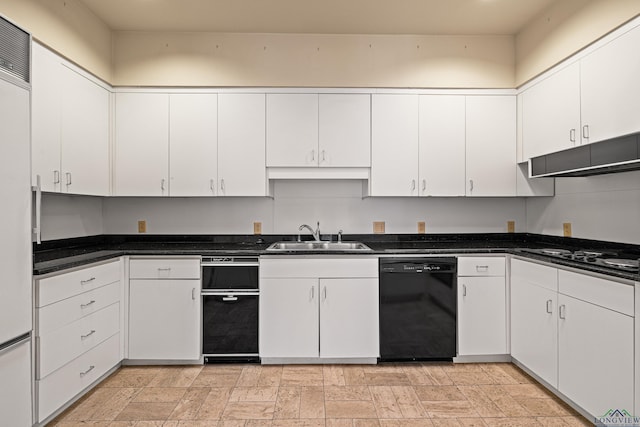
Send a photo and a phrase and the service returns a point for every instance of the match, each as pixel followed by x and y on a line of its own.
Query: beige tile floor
pixel 425 394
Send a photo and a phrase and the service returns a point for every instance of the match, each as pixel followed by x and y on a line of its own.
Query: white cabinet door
pixel 84 133
pixel 241 145
pixel 15 393
pixel 164 319
pixel 344 130
pixel 482 327
pixel 394 145
pixel 491 146
pixel 551 113
pixel 596 347
pixel 349 318
pixel 534 328
pixel 142 144
pixel 46 96
pixel 292 130
pixel 15 227
pixel 289 318
pixel 610 89
pixel 193 144
pixel 442 145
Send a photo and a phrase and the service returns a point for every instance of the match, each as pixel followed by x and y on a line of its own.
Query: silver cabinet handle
pixel 482 268
pixel 56 177
pixel 464 290
pixel 212 185
pixel 424 184
pixel 222 186
pixel 193 293
pixel 572 135
pixel 88 304
pixel 562 311
pixel 413 184
pixel 68 175
pixel 164 268
pixel 471 185
pixel 91 368
pixel 83 337
pixel 313 155
pixel 37 229
pixel 324 294
pixel 585 131
pixel 313 293
pixel 84 282
pixel 162 184
pixel 230 298
pixel 323 157
pixel 549 306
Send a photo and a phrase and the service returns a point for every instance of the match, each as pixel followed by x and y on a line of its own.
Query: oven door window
pixel 228 277
pixel 230 324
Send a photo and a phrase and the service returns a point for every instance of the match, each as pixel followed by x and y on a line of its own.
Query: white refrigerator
pixel 15 249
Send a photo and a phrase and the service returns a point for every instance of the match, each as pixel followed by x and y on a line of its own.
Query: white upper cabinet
pixel 344 130
pixel 70 127
pixel 610 89
pixel 326 130
pixel 442 145
pixel 142 144
pixel 292 130
pixel 551 113
pixel 193 144
pixel 241 145
pixel 491 145
pixel 394 145
pixel 85 136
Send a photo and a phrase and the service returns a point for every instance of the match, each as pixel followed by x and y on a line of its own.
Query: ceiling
pixel 446 17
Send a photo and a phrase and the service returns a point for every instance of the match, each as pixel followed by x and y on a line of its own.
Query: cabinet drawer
pixel 605 293
pixel 57 288
pixel 481 266
pixel 535 274
pixel 62 345
pixel 62 313
pixel 62 385
pixel 164 268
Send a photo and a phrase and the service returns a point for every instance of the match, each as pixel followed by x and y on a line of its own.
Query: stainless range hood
pixel 614 155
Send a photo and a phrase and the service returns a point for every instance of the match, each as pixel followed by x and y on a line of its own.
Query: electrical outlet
pixel 257 228
pixel 566 229
pixel 142 226
pixel 511 226
pixel 422 227
pixel 378 227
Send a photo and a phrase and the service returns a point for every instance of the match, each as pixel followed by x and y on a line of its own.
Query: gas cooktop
pixel 614 260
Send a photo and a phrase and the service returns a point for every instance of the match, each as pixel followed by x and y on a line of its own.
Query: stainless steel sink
pixel 318 246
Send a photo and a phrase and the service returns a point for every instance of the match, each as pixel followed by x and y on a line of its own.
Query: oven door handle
pixel 230 264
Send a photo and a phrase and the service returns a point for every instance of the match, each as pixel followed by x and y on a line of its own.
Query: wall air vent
pixel 15 44
pixel 613 155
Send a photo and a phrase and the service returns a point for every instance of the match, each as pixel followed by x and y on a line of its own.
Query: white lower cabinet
pixel 576 332
pixel 330 313
pixel 78 325
pixel 595 344
pixel 164 309
pixel 15 392
pixel 482 308
pixel 534 318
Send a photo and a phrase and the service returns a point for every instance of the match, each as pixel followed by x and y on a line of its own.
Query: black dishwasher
pixel 417 308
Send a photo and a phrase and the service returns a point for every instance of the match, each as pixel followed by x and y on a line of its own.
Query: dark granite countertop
pixel 58 255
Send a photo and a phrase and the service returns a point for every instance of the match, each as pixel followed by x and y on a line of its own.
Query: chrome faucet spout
pixel 315 233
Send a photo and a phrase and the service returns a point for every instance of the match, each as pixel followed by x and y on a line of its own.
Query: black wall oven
pixel 230 293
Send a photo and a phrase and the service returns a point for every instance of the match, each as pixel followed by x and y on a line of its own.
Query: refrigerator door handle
pixel 37 230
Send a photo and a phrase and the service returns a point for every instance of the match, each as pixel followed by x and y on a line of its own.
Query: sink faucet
pixel 316 233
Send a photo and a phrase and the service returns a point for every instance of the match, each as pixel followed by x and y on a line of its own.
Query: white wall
pixel 605 207
pixel 336 204
pixel 66 216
